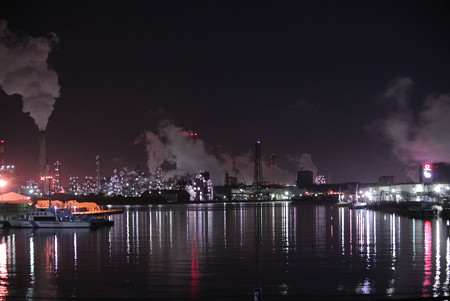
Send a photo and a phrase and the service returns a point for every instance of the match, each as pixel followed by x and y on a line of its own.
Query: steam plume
pixel 24 71
pixel 305 162
pixel 172 145
pixel 417 137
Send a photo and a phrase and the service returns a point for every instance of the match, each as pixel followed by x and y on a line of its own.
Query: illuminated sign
pixel 427 171
pixel 427 174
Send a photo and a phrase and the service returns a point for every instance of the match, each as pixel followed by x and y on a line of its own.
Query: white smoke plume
pixel 305 162
pixel 417 137
pixel 156 151
pixel 188 154
pixel 24 71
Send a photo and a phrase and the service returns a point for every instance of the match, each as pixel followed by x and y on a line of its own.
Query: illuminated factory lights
pixel 74 186
pixel 57 185
pixel 406 192
pixel 203 187
pixel 320 179
pixel 128 184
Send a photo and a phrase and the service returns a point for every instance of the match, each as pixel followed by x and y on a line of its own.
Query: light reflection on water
pixel 3 271
pixel 196 251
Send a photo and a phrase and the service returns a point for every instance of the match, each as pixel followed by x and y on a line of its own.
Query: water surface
pixel 225 251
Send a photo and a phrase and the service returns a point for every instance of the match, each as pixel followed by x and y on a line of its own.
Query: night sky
pixel 360 86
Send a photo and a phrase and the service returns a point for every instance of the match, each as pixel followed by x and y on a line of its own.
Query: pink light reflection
pixel 195 272
pixel 3 271
pixel 428 244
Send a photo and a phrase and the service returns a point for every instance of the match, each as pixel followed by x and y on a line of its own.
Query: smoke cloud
pixel 305 162
pixel 189 154
pixel 24 71
pixel 417 136
pixel 156 151
pixel 185 153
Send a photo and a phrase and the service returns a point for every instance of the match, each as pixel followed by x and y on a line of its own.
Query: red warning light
pixel 427 166
pixel 189 133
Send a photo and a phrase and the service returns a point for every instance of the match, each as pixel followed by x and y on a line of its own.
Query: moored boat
pixel 48 218
pixel 77 208
pixel 342 204
pixel 358 205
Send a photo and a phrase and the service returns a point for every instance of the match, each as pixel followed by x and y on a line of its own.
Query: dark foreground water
pixel 225 251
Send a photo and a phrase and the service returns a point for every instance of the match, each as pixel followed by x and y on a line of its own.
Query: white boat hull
pixel 359 205
pixel 48 224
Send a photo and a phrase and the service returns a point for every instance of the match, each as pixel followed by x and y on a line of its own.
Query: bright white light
pixel 419 188
pixel 393 190
pixel 427 174
pixel 3 183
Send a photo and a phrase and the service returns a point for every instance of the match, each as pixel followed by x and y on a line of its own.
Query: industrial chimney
pixel 2 152
pixel 258 169
pixel 42 155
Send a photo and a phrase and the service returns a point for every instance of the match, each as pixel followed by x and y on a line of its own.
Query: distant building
pixel 274 192
pixel 320 179
pixel 74 186
pixel 434 173
pixel 170 195
pixel 31 188
pixel 203 187
pixel 89 186
pixel 442 173
pixel 304 178
pixel 230 181
pixel 57 184
pixel 386 180
pixel 407 192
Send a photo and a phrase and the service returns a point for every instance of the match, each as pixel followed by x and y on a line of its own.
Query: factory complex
pixel 433 185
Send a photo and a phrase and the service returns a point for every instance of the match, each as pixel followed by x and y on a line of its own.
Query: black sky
pixel 301 76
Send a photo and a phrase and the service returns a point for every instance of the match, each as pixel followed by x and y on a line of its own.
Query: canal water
pixel 289 251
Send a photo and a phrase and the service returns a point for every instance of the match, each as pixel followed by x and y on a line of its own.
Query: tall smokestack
pixel 272 161
pixel 42 155
pixel 2 152
pixel 258 168
pixel 98 163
